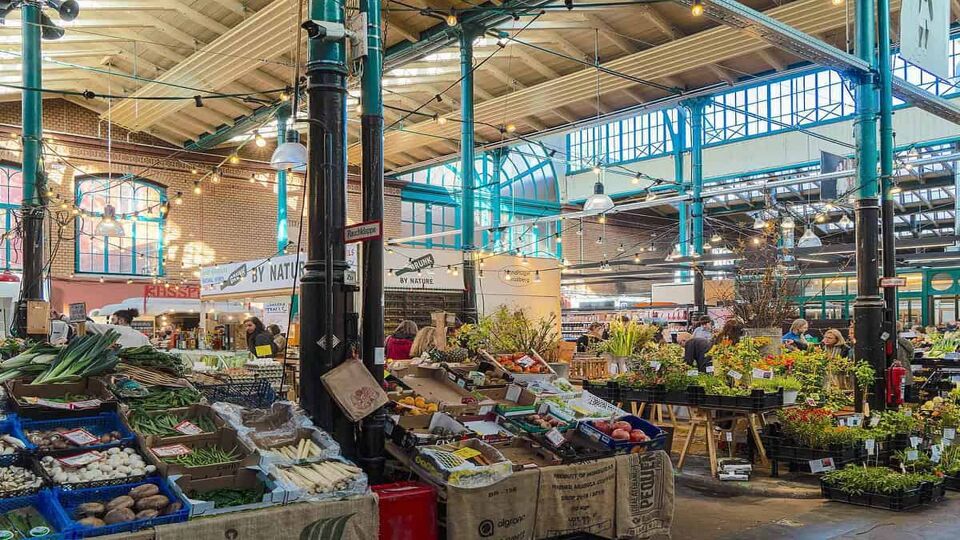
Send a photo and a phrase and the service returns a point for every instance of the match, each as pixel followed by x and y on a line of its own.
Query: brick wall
pixel 614 232
pixel 232 220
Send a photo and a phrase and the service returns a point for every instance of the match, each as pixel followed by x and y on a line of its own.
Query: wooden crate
pixel 588 367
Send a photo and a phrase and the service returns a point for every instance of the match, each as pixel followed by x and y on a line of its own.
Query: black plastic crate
pixel 952 483
pixel 898 502
pixel 252 394
pixel 786 450
pixel 28 462
pixel 605 390
pixel 578 448
pixel 650 394
pixel 758 400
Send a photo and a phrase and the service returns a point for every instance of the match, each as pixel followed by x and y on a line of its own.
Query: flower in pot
pixel 625 339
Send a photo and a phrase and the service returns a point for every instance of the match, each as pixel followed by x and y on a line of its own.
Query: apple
pixel 603 426
pixel 621 435
pixel 622 425
pixel 637 436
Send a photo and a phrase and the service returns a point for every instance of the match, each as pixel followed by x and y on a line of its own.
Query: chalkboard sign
pixel 143 326
pixel 78 312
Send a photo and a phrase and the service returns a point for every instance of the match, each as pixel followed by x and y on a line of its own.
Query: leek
pixel 83 357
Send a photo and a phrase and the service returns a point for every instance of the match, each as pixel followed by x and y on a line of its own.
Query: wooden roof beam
pixel 768 57
pixel 199 18
pixel 534 64
pixel 235 6
pixel 404 31
pixel 611 34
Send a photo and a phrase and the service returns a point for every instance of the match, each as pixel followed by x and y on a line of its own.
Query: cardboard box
pixel 410 431
pixel 473 377
pixel 226 440
pixel 436 462
pixel 248 478
pixel 526 454
pixel 30 400
pixel 488 428
pixel 512 399
pixel 432 383
pixel 184 413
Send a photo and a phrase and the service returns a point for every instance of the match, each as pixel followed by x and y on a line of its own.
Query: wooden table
pixel 705 417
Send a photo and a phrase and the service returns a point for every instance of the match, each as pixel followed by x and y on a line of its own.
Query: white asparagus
pixel 301 448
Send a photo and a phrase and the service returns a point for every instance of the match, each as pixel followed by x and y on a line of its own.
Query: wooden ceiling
pixel 233 46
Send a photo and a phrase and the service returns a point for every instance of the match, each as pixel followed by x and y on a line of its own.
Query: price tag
pixel 693 373
pixel 466 453
pixel 728 435
pixel 874 421
pixel 655 365
pixel 855 420
pixel 80 460
pixel 543 408
pixel 461 383
pixel 949 433
pixel 912 455
pixel 80 437
pixel 871 446
pixel 526 361
pixel 87 404
pixel 188 428
pixel 915 441
pixel 486 409
pixel 935 453
pixel 171 450
pixel 555 437
pixel 762 373
pixel 263 351
pixel 709 369
pixel 822 465
pixel 513 393
pixel 736 375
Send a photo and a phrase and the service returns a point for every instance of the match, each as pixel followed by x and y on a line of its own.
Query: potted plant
pixel 625 339
pixel 791 387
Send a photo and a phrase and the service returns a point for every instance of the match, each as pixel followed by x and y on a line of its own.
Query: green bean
pixel 202 457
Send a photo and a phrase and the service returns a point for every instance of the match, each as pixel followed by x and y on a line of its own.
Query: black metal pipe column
pixel 326 300
pixel 371 141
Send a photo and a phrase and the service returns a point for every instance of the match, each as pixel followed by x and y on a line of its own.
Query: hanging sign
pixel 78 312
pixel 925 35
pixel 361 232
pixel 276 273
pixel 413 268
pixel 171 291
pixel 891 282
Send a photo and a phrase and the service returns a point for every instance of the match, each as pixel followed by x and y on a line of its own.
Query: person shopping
pixel 796 338
pixel 591 337
pixel 397 345
pixel 259 339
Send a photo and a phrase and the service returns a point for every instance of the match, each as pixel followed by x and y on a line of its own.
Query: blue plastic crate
pixel 96 425
pixel 68 501
pixel 657 437
pixel 11 426
pixel 45 503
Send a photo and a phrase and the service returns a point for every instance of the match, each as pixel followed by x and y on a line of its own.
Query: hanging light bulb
pixel 651 196
pixel 507 276
pixel 536 277
pixel 759 222
pixel 599 202
pixel 636 259
pixel 697 8
pixel 234 158
pixel 597 169
pixel 707 246
pixel 511 128
pixel 620 248
pixel 845 222
pixel 820 218
pixel 756 240
pixel 456 271
pixel 523 260
pixel 196 188
pixel 716 239
pixel 259 140
pixel 580 231
pixel 636 179
pixel 109 226
pixel 809 239
pixel 559 238
pixel 449 270
pixel 178 200
pixel 787 224
pixel 389 271
pixel 451 19
pixel 599 240
pixel 101 279
pixel 837 2
pixel 602 219
pixel 896 189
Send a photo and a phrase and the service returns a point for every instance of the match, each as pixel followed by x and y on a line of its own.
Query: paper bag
pixel 644 495
pixel 354 389
pixel 577 498
pixel 505 510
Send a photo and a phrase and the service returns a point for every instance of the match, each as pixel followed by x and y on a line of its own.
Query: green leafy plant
pixel 627 338
pixel 789 384
pixel 510 331
pixel 856 480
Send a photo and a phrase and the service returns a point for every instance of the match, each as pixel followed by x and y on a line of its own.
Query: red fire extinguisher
pixel 896 383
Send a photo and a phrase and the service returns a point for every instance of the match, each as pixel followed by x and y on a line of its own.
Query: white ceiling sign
pixel 925 35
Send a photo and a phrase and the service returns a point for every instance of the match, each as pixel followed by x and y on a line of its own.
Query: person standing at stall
pixel 591 337
pixel 278 339
pixel 796 338
pixel 704 328
pixel 397 345
pixel 259 339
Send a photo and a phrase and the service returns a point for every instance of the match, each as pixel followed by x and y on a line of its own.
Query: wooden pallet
pixel 588 367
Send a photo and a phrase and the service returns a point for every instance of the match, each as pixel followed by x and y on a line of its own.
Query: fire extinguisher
pixel 896 383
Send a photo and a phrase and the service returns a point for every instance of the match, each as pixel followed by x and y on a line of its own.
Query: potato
pixel 172 507
pixel 123 501
pixel 145 490
pixel 154 502
pixel 91 522
pixel 92 509
pixel 119 515
pixel 147 514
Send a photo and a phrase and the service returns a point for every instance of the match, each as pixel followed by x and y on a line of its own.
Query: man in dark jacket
pixel 694 350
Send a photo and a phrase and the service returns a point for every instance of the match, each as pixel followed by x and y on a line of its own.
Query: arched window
pixel 11 195
pixel 138 205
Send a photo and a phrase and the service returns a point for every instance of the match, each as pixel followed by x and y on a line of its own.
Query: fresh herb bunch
pixel 202 457
pixel 856 480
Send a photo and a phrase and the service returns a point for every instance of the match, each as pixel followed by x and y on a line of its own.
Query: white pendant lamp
pixel 787 223
pixel 109 226
pixel 845 222
pixel 290 155
pixel 599 202
pixel 809 239
pixel 759 222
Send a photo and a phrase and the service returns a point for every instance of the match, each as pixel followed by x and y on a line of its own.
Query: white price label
pixel 543 408
pixel 912 455
pixel 555 437
pixel 188 428
pixel 736 375
pixel 874 421
pixel 728 435
pixel 855 420
pixel 935 453
pixel 80 460
pixel 87 404
pixel 171 450
pixel 526 361
pixel 655 365
pixel 709 369
pixel 949 433
pixel 513 393
pixel 871 446
pixel 80 437
pixel 915 441
pixel 762 373
pixel 692 373
pixel 822 465
pixel 52 404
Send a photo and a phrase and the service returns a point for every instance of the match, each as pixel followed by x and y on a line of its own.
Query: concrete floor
pixel 703 515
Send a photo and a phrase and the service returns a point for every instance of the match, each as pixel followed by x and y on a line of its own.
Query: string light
pixel 620 248
pixel 456 272
pixel 259 140
pixel 178 200
pixel 511 128
pixel 716 239
pixel 599 240
pixel 451 19
pixel 536 277
pixel 507 276
pixel 194 171
pixel 636 258
pixel 837 2
pixel 196 188
pixel 234 159
pixel 602 219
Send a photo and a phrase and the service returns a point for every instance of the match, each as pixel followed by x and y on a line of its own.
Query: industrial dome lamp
pixel 599 202
pixel 291 155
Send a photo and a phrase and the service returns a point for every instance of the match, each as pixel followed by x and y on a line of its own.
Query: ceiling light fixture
pixel 292 154
pixel 599 202
pixel 809 239
pixel 109 226
pixel 259 140
pixel 697 8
